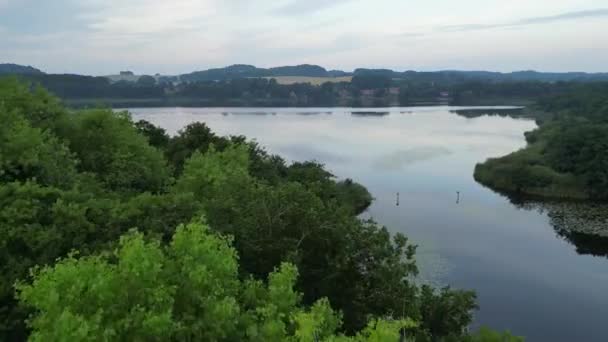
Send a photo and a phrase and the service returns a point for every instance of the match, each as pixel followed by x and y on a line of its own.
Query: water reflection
pixel 582 224
pixel 369 113
pixel 527 280
pixel 504 112
pixel 312 113
pixel 253 113
pixel 587 244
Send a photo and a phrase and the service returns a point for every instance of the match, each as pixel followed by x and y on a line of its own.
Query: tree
pixel 146 81
pixel 81 179
pixel 38 106
pixel 329 245
pixel 189 290
pixel 28 153
pixel 157 136
pixel 207 174
pixel 194 137
pixel 156 215
pixel 371 81
pixel 37 225
pixel 108 145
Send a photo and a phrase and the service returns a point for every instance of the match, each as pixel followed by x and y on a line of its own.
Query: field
pixel 118 78
pixel 311 80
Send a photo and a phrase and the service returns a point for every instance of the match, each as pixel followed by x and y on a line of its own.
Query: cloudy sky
pixel 174 36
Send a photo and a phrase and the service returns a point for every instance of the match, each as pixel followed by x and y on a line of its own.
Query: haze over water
pixel 528 279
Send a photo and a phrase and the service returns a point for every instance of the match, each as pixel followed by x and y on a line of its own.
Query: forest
pixel 566 157
pixel 113 230
pixel 243 85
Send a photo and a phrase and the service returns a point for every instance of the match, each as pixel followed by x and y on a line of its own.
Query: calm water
pixel 529 277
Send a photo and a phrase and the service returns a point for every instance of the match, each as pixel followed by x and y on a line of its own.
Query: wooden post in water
pixel 397 199
pixel 457 197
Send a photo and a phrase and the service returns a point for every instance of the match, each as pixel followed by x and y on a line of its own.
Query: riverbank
pixel 523 173
pixel 564 159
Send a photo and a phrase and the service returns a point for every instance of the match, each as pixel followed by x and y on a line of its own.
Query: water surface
pixel 531 277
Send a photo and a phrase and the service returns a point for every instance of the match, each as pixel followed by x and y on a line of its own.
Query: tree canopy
pixel 187 290
pixel 566 157
pixel 307 265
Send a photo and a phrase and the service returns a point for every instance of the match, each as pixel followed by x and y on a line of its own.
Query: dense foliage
pixel 245 85
pixel 566 157
pixel 81 181
pixel 188 290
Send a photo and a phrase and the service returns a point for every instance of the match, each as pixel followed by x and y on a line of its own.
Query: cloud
pixel 594 13
pixel 300 7
pixel 410 34
pixel 101 36
pixel 601 12
pixel 147 16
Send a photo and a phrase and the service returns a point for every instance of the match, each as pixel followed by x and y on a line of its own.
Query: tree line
pixel 567 156
pixel 365 89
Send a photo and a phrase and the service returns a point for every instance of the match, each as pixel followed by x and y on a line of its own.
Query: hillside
pixel 247 71
pixel 238 71
pixel 16 69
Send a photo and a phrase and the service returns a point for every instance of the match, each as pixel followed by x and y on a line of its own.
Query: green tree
pixel 157 136
pixel 38 106
pixel 189 290
pixel 194 137
pixel 207 174
pixel 108 145
pixel 146 81
pixel 329 245
pixel 156 214
pixel 78 180
pixel 37 225
pixel 29 153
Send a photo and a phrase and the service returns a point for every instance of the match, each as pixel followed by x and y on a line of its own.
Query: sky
pixel 100 37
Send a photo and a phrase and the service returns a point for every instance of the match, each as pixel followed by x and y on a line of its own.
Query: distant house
pixel 127 73
pixel 367 92
pixel 394 91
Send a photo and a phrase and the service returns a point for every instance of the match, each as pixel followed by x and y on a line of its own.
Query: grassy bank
pixel 566 157
pixel 522 172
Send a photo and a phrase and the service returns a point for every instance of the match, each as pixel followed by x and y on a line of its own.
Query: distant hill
pixel 300 70
pixel 444 76
pixel 305 71
pixel 248 71
pixel 227 73
pixel 315 74
pixel 16 69
pixel 553 76
pixel 459 76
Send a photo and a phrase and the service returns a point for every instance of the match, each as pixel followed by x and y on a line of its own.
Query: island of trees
pixel 112 230
pixel 566 157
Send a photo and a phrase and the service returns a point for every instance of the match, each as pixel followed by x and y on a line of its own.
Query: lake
pixel 531 273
